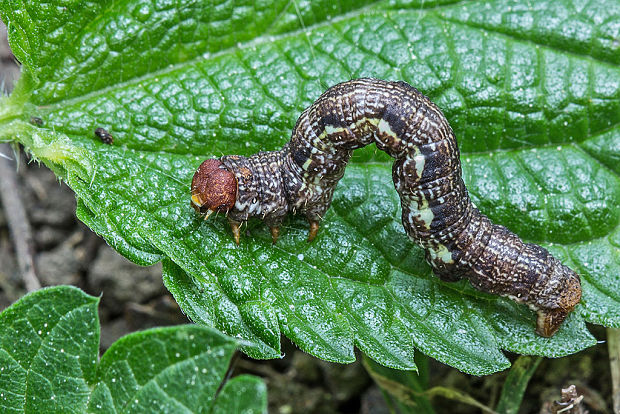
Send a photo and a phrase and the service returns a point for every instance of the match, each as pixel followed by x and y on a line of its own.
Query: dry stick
pixel 613 345
pixel 17 220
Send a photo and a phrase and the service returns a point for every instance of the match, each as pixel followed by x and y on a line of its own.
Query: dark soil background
pixel 134 298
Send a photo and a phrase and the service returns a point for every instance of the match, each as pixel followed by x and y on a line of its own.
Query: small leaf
pixel 49 343
pixel 459 396
pixel 404 388
pixel 165 369
pixel 48 351
pixel 516 383
pixel 410 394
pixel 243 394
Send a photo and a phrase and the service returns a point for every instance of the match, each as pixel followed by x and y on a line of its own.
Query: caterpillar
pixel 437 213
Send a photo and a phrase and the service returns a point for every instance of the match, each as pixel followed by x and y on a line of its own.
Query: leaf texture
pixel 49 362
pixel 535 107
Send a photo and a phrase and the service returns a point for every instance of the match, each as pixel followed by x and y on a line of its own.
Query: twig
pixel 261 369
pixel 18 221
pixel 613 345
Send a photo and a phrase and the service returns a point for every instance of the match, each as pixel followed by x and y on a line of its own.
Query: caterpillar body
pixel 437 213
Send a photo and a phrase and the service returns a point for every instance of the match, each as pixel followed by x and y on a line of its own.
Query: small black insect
pixel 437 213
pixel 35 120
pixel 104 135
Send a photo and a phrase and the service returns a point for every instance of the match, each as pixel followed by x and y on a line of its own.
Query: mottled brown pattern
pixel 213 188
pixel 437 213
pixel 104 136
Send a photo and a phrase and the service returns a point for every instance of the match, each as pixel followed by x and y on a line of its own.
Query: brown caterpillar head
pixel 567 294
pixel 214 188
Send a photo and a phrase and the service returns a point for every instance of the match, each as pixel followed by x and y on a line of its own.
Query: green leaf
pixel 402 389
pixel 243 394
pixel 515 384
pixel 409 391
pixel 531 91
pixel 49 344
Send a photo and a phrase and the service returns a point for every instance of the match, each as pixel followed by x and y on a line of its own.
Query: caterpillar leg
pixel 234 226
pixel 275 233
pixel 314 229
pixel 207 214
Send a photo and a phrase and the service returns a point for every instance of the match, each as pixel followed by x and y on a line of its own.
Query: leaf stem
pixel 613 345
pixel 514 387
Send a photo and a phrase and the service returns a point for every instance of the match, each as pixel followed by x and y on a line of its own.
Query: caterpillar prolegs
pixel 437 212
